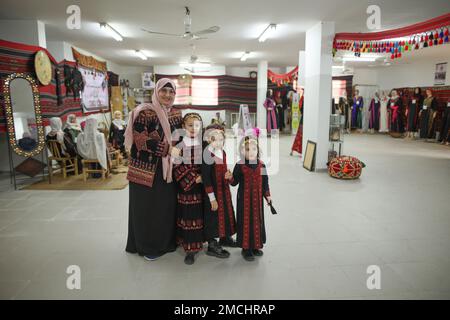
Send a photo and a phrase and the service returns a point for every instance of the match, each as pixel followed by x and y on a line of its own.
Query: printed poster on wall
pixel 147 80
pixel 95 92
pixel 440 74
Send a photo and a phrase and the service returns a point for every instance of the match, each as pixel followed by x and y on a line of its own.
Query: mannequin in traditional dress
pixel 395 107
pixel 358 103
pixel 412 113
pixel 374 113
pixel 269 104
pixel 444 136
pixel 117 132
pixel 427 116
pixel 383 112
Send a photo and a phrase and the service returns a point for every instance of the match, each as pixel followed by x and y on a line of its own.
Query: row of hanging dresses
pixel 428 117
pixel 357 107
pixel 374 114
pixel 413 113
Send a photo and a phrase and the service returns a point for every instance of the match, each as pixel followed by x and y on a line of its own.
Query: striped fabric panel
pixel 232 92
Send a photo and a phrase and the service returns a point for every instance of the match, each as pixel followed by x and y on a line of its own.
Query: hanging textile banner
pixel 398 41
pixel 285 78
pixel 94 93
pixel 88 61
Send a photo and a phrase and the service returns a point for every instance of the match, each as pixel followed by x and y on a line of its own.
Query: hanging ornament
pixel 425 44
pixel 416 47
pixel 392 56
pixel 441 41
pixel 436 41
pixel 400 55
pixel 430 43
pixel 446 32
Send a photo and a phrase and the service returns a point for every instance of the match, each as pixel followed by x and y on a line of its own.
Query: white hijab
pixel 56 126
pixel 91 144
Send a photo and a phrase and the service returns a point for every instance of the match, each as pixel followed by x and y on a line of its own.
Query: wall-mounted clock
pixel 43 67
pixel 253 74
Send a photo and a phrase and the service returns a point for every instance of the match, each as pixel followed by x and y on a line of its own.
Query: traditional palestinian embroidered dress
pixel 220 223
pixel 270 105
pixel 445 127
pixel 152 208
pixel 358 103
pixel 384 115
pixel 427 121
pixel 396 118
pixel 374 110
pixel 297 145
pixel 117 134
pixel 189 196
pixel 253 186
pixel 413 112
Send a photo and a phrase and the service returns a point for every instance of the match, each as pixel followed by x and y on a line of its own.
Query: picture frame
pixel 310 156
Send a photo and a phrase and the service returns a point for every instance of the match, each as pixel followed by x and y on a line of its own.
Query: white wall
pixel 365 76
pixel 416 74
pixel 23 31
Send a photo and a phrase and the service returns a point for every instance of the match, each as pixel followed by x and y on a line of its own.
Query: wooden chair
pixel 66 163
pixel 115 157
pixel 87 170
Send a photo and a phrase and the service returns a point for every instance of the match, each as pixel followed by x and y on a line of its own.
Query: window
pixel 204 92
pixel 339 87
pixel 201 92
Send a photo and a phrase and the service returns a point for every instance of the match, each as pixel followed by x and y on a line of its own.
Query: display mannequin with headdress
pixel 428 116
pixel 117 132
pixel 414 104
pixel 395 108
pixel 251 175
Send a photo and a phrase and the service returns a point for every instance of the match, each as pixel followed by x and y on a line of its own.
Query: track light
pixel 141 55
pixel 245 55
pixel 267 32
pixel 111 31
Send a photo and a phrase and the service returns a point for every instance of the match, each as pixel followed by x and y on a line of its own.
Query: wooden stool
pixel 87 170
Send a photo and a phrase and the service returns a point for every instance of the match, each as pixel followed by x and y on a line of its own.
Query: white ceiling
pixel 241 22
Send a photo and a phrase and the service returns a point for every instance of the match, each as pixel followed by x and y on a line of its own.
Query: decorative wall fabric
pixel 231 93
pixel 55 102
pixel 88 61
pixel 429 33
pixel 285 78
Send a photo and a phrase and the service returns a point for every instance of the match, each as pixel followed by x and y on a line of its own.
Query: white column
pixel 301 68
pixel 261 115
pixel 318 59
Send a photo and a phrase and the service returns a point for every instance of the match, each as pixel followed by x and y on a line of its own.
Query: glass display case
pixel 336 136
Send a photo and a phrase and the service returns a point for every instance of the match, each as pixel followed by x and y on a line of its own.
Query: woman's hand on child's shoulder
pixel 198 179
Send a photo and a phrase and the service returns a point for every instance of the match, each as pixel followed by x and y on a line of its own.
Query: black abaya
pixel 152 215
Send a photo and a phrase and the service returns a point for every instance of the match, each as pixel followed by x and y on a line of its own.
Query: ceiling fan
pixel 188 34
pixel 194 64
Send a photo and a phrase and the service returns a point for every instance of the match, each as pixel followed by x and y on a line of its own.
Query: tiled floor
pixel 327 233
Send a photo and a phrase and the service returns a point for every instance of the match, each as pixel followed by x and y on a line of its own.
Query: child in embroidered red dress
pixel 218 211
pixel 250 173
pixel 187 173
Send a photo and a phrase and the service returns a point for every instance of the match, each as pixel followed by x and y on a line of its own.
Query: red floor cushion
pixel 345 167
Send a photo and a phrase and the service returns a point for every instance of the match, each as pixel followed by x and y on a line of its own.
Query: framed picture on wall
pixel 440 74
pixel 310 156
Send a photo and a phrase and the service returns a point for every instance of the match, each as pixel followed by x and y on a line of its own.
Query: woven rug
pixel 117 180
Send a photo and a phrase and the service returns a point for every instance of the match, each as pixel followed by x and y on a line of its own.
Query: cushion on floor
pixel 345 167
